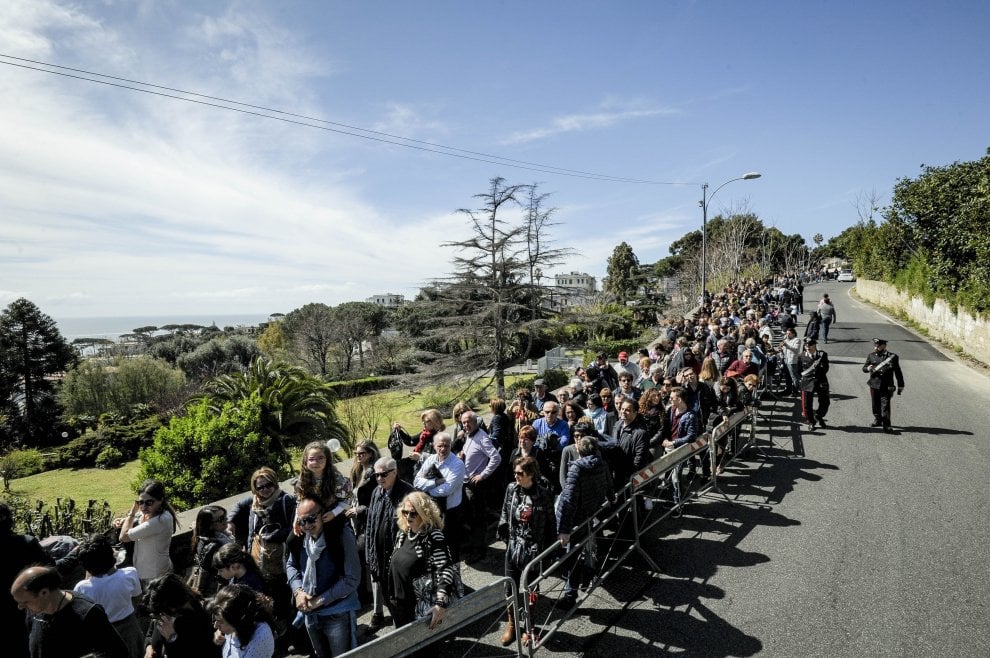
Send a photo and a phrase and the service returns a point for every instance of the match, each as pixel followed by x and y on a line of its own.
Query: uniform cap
pixel 879 341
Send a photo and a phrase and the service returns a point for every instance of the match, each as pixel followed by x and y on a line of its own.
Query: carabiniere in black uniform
pixel 884 367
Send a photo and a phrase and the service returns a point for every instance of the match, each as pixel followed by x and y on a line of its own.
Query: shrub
pixel 357 387
pixel 109 457
pixel 21 463
pixel 210 454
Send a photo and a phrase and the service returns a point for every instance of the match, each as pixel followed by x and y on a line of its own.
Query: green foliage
pixel 127 438
pixel 123 387
pixel 210 453
pixel 935 240
pixel 622 270
pixel 21 463
pixel 32 352
pixel 296 407
pixel 218 356
pixel 64 517
pixel 110 457
pixel 356 387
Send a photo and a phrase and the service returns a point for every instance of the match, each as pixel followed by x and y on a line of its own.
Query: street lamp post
pixel 705 199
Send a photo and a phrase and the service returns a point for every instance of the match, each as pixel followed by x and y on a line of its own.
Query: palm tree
pixel 296 407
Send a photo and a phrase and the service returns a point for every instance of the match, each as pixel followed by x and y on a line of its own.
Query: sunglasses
pixel 145 503
pixel 308 520
pixel 384 474
pixel 264 487
pixel 519 472
pixel 410 513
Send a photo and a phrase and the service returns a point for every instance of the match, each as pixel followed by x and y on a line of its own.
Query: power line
pixel 313 122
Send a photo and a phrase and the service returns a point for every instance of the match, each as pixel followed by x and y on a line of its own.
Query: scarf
pixel 314 549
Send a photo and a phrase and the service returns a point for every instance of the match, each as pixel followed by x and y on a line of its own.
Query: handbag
pixel 395 444
pixel 425 585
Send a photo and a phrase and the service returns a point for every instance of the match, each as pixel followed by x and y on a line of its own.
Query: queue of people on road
pixel 296 568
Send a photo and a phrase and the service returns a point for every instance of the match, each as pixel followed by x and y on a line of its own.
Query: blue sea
pixel 114 328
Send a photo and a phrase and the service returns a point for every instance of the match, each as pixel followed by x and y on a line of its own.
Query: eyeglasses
pixel 410 513
pixel 145 502
pixel 308 520
pixel 549 413
pixel 264 487
pixel 384 474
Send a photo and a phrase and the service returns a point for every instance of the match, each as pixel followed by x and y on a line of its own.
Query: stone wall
pixel 957 328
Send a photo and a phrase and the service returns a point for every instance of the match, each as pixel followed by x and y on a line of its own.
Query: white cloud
pixel 590 121
pixel 113 202
pixel 404 120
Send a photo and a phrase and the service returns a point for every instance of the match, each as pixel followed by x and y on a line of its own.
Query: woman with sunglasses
pixel 150 525
pixel 423 576
pixel 363 481
pixel 262 522
pixel 527 525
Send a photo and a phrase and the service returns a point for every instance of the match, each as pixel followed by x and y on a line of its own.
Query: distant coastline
pixel 115 327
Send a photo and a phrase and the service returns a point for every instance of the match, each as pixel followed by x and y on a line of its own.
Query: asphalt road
pixel 869 544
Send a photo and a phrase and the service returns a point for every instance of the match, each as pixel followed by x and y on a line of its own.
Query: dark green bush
pixel 355 387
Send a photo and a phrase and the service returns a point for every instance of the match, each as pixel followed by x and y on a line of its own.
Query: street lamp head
pixel 751 175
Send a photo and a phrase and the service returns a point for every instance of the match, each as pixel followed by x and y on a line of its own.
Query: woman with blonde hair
pixel 423 576
pixel 423 445
pixel 709 373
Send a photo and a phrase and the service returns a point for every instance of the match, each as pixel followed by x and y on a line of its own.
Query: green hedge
pixel 357 387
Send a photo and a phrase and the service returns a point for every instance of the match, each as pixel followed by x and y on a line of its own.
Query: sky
pixel 116 202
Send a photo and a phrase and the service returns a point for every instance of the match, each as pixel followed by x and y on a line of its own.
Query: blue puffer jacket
pixel 588 485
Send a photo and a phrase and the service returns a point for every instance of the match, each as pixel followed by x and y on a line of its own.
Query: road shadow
pixel 668 623
pixel 931 430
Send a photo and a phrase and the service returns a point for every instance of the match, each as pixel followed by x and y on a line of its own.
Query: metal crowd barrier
pixel 417 635
pixel 626 521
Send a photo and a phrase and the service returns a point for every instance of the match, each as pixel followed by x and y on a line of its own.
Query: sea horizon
pixel 113 327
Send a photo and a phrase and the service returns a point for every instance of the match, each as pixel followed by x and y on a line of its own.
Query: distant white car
pixel 846 276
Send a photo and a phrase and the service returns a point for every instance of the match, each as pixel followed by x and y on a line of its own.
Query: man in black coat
pixel 813 364
pixel 884 367
pixel 633 445
pixel 381 531
pixel 18 551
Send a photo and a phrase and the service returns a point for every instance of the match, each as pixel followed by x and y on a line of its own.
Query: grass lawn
pixel 80 485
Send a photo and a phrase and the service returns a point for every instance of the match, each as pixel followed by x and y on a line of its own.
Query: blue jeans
pixel 332 635
pixel 826 323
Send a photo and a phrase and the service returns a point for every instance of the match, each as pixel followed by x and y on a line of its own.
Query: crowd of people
pixel 296 567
